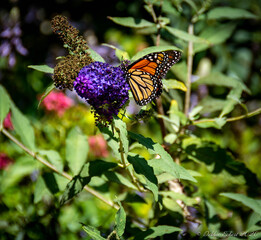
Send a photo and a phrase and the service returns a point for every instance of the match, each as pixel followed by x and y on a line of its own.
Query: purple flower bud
pixel 11 40
pixel 19 46
pixel 11 60
pixel 7 33
pixel 5 49
pixel 17 30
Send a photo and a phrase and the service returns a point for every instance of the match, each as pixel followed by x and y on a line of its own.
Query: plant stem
pixel 153 14
pixel 159 105
pixel 125 165
pixel 248 115
pixel 189 72
pixel 160 111
pixel 232 119
pixel 49 165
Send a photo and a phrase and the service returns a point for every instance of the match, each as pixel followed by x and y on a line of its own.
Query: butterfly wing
pixel 144 75
pixel 143 86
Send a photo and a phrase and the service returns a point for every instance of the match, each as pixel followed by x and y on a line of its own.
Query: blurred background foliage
pixel 27 39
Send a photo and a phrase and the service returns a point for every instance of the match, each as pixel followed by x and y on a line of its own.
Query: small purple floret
pixel 104 87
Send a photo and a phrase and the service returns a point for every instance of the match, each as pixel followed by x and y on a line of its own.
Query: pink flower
pixel 98 146
pixel 7 122
pixel 57 102
pixel 5 161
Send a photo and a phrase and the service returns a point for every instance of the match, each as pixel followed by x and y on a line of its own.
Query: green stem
pixel 125 164
pixel 49 165
pixel 153 14
pixel 232 119
pixel 189 72
pixel 158 101
pixel 248 115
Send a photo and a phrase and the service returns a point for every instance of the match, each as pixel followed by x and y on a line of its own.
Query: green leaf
pixel 185 36
pixel 215 35
pixel 4 105
pixel 165 177
pixel 180 70
pixel 218 34
pixel 194 112
pixel 120 54
pixel 40 190
pixel 252 203
pixel 46 93
pixel 172 206
pixel 147 30
pixel 89 170
pixel 171 138
pixel 189 201
pixel 167 7
pixel 50 182
pixel 118 178
pixel 210 154
pixel 22 167
pixel 210 104
pixel 232 100
pixel 253 220
pixel 112 138
pixel 45 185
pixel 219 79
pixel 95 56
pixel 230 13
pixel 165 163
pixel 23 128
pixel 149 50
pixel 168 120
pixel 164 166
pixel 76 149
pixel 174 84
pixel 61 181
pixel 173 109
pixel 218 123
pixel 164 21
pixel 97 182
pixel 93 233
pixel 54 158
pixel 132 22
pixel 130 197
pixel 228 238
pixel 254 233
pixel 149 9
pixel 158 231
pixel 141 166
pixel 42 68
pixel 120 221
pixel 175 113
pixel 213 221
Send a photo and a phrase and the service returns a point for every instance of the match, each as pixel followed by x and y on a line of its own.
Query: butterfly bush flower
pixel 104 87
pixel 98 146
pixel 7 122
pixel 5 161
pixel 10 37
pixel 68 68
pixel 57 102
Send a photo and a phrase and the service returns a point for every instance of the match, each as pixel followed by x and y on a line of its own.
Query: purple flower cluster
pixel 104 87
pixel 11 41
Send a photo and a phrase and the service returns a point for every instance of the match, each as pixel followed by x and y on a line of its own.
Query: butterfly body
pixel 144 75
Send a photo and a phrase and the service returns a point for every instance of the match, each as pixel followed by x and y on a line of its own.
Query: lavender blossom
pixel 10 38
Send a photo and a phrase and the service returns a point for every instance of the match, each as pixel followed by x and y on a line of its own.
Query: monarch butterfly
pixel 144 75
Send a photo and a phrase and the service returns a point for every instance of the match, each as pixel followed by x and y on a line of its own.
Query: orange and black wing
pixel 144 75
